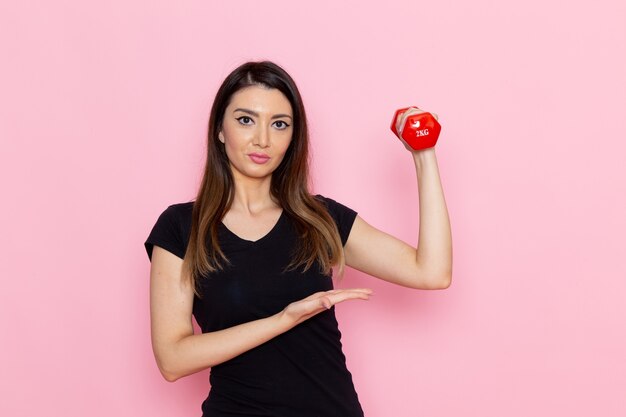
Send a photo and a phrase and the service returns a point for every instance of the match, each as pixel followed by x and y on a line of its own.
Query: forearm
pixel 194 353
pixel 434 250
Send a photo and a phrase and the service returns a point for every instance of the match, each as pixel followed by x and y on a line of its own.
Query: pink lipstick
pixel 259 158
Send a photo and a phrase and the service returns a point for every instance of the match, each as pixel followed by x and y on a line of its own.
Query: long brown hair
pixel 318 235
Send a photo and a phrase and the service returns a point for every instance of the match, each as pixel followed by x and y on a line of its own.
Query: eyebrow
pixel 253 113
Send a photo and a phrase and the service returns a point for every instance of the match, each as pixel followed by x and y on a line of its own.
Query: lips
pixel 259 158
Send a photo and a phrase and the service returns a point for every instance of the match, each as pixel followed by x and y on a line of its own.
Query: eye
pixel 244 120
pixel 281 125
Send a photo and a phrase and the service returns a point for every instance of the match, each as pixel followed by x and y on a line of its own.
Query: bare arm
pixel 179 352
pixel 429 266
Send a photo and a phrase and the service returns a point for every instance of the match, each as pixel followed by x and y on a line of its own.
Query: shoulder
pixel 180 208
pixel 333 206
pixel 171 229
pixel 178 213
pixel 343 215
pixel 181 214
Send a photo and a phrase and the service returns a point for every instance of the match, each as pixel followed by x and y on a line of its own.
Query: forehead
pixel 261 99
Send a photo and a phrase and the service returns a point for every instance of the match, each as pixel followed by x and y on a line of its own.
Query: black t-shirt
pixel 301 372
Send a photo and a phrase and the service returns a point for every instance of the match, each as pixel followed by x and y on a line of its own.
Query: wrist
pixel 284 321
pixel 425 161
pixel 424 155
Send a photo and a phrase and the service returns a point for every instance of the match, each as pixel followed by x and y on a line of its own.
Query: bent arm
pixel 429 266
pixel 179 352
pixel 194 353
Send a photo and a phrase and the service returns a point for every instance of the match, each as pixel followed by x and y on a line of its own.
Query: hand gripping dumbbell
pixel 420 130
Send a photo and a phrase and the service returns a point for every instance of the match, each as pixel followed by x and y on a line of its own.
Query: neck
pixel 252 195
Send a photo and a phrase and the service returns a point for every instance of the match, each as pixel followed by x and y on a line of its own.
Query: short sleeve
pixel 344 216
pixel 166 233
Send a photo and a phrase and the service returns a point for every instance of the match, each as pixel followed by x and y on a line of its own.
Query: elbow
pixel 169 376
pixel 441 279
pixel 170 361
pixel 167 369
pixel 444 282
pixel 437 282
pixel 432 276
pixel 173 370
pixel 167 372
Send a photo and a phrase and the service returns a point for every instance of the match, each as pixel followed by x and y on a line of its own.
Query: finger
pixel 347 295
pixel 401 123
pixel 399 126
pixel 307 308
pixel 333 297
pixel 326 302
pixel 340 290
pixel 401 120
pixel 327 299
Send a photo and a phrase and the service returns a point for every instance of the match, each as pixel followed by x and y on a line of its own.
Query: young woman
pixel 252 260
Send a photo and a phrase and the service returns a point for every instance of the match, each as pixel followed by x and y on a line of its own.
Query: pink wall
pixel 102 120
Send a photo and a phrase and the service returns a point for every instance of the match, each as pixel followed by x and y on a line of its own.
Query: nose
pixel 262 138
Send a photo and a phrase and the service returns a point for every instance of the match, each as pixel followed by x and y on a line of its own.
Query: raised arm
pixel 179 352
pixel 429 266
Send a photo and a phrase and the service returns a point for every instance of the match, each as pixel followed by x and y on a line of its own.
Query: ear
pixel 220 136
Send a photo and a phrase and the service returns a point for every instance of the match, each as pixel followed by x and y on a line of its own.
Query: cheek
pixel 234 140
pixel 290 143
pixel 282 155
pixel 230 148
pixel 234 132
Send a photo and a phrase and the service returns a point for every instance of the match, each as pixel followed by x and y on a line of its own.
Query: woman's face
pixel 256 131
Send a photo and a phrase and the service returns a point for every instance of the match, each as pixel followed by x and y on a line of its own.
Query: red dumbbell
pixel 420 131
